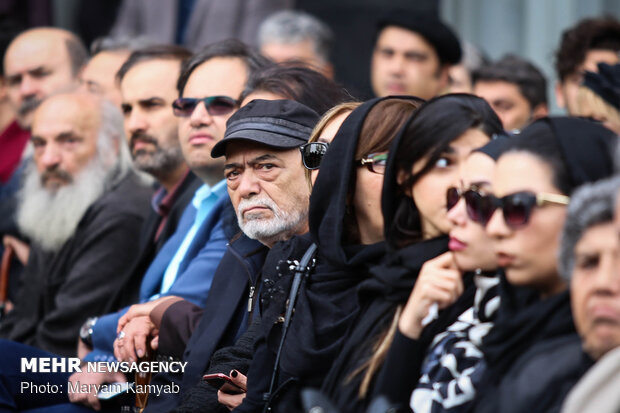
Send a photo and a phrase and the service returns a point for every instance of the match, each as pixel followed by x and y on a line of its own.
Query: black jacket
pixel 61 290
pixel 223 320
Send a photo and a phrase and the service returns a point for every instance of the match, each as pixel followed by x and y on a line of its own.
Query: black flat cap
pixel 282 124
pixel 428 25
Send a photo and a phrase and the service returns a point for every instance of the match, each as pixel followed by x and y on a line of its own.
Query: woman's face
pixel 469 242
pixel 528 253
pixel 429 192
pixel 327 135
pixel 367 204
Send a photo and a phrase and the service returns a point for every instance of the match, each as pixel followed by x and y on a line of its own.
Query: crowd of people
pixel 446 246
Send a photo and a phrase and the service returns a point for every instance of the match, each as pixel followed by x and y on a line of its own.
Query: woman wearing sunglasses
pixel 322 135
pixel 443 377
pixel 533 354
pixel 424 162
pixel 347 245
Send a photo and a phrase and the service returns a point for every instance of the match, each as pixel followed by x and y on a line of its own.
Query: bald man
pixel 82 207
pixel 39 62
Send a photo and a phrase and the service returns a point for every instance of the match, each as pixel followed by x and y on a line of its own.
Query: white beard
pixel 50 218
pixel 280 227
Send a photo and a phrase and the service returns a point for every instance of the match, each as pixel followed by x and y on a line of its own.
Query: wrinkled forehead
pixel 34 50
pixel 245 151
pixel 61 114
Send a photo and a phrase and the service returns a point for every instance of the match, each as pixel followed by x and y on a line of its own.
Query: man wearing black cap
pixel 266 183
pixel 412 55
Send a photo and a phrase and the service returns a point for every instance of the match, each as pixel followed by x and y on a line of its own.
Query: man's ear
pixel 401 177
pixel 540 111
pixel 444 77
pixel 559 95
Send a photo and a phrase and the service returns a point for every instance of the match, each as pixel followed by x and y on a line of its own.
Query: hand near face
pixel 439 282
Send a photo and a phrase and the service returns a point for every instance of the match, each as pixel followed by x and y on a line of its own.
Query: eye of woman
pixel 443 162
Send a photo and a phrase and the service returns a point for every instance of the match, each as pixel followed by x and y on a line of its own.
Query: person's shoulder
pixel 129 196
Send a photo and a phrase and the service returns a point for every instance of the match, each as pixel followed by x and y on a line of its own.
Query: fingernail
pixel 140 353
pixel 233 373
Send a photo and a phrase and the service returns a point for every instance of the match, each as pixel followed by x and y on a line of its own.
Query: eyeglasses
pixel 475 201
pixel 312 154
pixel 375 162
pixel 516 208
pixel 215 105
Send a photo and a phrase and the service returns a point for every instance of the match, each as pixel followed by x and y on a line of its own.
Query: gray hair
pixel 590 205
pixel 290 27
pixel 118 43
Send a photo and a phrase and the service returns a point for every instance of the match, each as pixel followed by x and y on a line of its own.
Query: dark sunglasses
pixel 375 162
pixel 312 154
pixel 215 105
pixel 516 208
pixel 474 201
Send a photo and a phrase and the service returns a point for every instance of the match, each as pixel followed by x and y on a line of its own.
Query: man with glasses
pixel 266 183
pixel 186 264
pixel 209 86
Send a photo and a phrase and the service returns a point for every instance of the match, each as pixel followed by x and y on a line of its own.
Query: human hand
pixel 21 249
pixel 80 379
pixel 232 401
pixel 130 345
pixel 440 282
pixel 140 310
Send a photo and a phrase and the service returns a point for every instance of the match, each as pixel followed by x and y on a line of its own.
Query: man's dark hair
pixel 589 34
pixel 512 69
pixel 300 84
pixel 163 51
pixel 225 48
pixel 78 54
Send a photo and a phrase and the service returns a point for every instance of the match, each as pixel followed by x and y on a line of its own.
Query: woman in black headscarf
pixel 347 225
pixel 424 162
pixel 533 353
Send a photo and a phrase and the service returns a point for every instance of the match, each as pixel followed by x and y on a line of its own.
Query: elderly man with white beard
pixel 82 206
pixel 268 189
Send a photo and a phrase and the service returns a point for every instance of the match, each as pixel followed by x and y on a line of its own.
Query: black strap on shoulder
pixel 300 271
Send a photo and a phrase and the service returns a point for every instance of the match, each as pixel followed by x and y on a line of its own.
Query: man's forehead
pixel 33 51
pixel 245 151
pixel 154 77
pixel 63 113
pixel 218 76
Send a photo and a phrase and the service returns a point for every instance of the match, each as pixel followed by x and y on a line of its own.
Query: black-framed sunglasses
pixel 474 201
pixel 375 162
pixel 516 208
pixel 312 154
pixel 215 105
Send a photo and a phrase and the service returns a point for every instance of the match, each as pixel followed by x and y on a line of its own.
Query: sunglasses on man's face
pixel 215 105
pixel 516 208
pixel 312 154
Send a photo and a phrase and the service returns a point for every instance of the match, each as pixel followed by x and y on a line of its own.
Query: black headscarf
pixel 327 302
pixel 586 146
pixel 523 318
pixel 390 285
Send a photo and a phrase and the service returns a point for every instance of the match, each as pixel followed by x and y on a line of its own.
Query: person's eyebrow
pixel 265 157
pixel 232 165
pixel 479 183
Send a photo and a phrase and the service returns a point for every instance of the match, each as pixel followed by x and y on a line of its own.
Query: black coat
pixel 533 354
pixel 223 320
pixel 61 290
